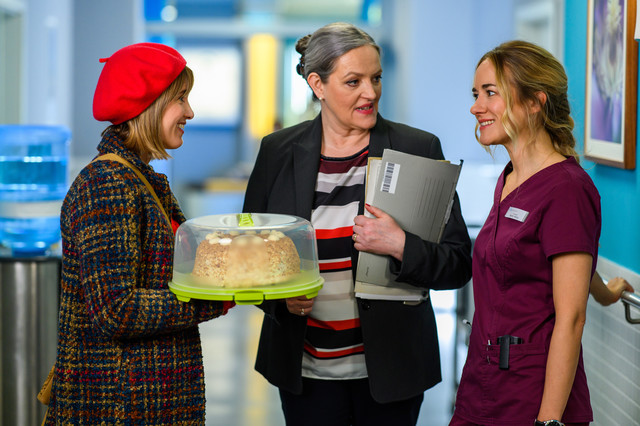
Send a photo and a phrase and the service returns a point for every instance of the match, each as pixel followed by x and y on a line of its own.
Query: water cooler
pixel 33 183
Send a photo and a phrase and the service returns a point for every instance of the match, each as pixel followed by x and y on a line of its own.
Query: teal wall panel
pixel 619 189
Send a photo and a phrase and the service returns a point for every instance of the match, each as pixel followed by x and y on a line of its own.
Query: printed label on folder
pixel 390 178
pixel 516 214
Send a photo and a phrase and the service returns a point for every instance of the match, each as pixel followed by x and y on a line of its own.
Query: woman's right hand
pixel 609 293
pixel 300 305
pixel 616 286
pixel 380 234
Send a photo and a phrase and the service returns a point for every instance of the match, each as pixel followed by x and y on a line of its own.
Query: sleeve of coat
pixel 107 222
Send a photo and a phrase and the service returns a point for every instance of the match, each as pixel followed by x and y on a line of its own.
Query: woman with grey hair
pixel 338 359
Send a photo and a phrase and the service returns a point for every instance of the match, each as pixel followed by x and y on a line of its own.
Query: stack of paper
pixel 418 193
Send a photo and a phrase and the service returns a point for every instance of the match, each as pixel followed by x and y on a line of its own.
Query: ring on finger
pixel 302 311
pixel 354 236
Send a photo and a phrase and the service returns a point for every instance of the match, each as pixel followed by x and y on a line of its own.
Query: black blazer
pixel 400 341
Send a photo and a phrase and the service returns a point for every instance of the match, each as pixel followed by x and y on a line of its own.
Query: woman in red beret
pixel 128 351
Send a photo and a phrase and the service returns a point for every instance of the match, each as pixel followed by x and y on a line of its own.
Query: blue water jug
pixel 33 184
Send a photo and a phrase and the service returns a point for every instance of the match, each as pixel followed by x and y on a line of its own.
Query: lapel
pixel 379 139
pixel 306 161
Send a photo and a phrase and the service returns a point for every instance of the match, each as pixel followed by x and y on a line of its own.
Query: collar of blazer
pixel 380 138
pixel 310 144
pixel 306 158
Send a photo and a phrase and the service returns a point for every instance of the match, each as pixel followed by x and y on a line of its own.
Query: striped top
pixel 333 346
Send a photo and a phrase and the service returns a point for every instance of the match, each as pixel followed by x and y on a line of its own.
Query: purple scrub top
pixel 555 211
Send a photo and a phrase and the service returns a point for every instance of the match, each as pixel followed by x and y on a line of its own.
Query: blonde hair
pixel 143 133
pixel 529 70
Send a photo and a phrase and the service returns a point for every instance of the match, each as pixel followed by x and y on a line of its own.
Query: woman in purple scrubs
pixel 536 254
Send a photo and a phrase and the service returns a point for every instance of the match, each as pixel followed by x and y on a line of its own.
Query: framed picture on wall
pixel 612 83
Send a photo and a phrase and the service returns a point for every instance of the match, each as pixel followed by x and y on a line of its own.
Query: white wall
pixel 436 45
pixel 100 28
pixel 49 69
pixel 611 348
pixel 11 60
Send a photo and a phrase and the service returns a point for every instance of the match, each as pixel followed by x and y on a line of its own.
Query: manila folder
pixel 418 193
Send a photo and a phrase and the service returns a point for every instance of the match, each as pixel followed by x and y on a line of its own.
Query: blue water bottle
pixel 33 184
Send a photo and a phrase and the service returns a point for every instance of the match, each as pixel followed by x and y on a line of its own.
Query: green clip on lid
pixel 245 219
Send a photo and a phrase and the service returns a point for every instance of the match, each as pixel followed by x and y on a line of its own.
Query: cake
pixel 247 259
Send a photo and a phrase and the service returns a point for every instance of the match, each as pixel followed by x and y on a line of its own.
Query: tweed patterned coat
pixel 129 352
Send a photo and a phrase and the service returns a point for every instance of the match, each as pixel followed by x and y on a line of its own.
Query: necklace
pixel 511 182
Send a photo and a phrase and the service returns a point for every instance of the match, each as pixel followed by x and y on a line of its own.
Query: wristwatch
pixel 548 423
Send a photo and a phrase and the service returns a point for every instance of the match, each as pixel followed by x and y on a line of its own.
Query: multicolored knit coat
pixel 129 352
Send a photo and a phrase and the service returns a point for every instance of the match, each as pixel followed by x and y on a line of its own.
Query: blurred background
pixel 242 53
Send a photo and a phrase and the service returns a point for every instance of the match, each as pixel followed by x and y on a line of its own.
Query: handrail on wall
pixel 630 299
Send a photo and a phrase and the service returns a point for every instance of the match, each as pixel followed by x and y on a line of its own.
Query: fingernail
pixel 367 204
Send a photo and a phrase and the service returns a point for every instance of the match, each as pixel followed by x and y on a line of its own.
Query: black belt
pixel 505 342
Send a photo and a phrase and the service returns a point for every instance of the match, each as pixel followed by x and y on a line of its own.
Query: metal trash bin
pixel 29 300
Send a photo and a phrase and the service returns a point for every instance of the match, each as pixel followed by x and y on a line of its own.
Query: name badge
pixel 516 214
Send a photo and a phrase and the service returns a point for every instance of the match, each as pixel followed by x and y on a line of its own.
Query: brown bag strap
pixel 46 414
pixel 44 395
pixel 115 157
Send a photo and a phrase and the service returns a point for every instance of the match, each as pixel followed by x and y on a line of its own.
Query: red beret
pixel 134 77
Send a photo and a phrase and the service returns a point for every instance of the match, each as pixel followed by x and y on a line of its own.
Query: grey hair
pixel 320 50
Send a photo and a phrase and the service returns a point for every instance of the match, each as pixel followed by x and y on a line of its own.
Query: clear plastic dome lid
pixel 220 254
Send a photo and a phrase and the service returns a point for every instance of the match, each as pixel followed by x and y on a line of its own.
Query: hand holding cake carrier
pixel 247 258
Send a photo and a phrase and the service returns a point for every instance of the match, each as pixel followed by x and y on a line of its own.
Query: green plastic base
pixel 249 296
